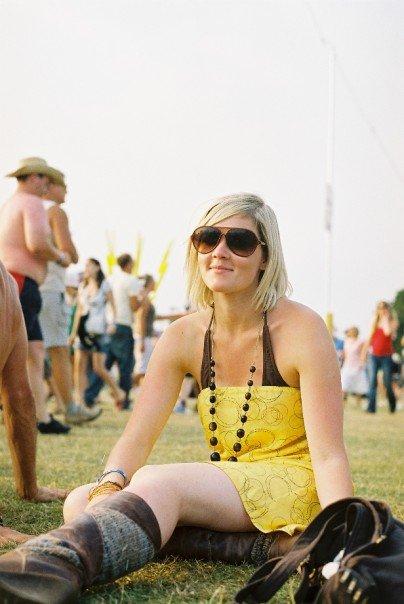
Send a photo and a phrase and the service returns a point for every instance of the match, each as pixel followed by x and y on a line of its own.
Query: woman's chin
pixel 224 288
pixel 218 283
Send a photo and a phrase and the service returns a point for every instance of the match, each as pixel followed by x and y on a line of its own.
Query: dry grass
pixel 375 445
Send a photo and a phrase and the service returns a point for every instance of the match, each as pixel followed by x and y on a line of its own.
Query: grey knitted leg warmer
pixel 112 539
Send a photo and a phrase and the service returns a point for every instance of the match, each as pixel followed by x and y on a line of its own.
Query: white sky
pixel 152 108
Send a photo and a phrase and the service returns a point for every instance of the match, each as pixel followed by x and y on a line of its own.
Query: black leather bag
pixel 352 552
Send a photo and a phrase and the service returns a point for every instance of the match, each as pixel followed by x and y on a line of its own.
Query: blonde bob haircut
pixel 273 281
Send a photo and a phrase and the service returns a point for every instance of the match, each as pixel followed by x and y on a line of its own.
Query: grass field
pixel 375 446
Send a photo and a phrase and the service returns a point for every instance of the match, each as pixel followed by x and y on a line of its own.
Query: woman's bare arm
pixel 158 395
pixel 320 385
pixel 59 224
pixel 109 297
pixel 76 321
pixel 141 322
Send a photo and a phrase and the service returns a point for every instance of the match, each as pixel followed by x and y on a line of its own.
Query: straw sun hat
pixel 37 165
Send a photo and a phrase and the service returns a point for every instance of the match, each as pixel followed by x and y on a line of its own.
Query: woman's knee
pixel 145 473
pixel 154 478
pixel 76 502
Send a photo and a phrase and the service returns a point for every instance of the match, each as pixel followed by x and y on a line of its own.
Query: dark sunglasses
pixel 241 242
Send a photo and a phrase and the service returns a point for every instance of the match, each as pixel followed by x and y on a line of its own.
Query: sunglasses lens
pixel 205 239
pixel 242 242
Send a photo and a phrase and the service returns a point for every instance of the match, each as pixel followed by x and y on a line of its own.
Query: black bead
pixel 232 458
pixel 246 407
pixel 250 382
pixel 212 426
pixel 243 419
pixel 240 433
pixel 212 386
pixel 212 374
pixel 215 456
pixel 237 447
pixel 252 369
pixel 212 399
pixel 247 395
pixel 213 441
pixel 212 411
pixel 212 363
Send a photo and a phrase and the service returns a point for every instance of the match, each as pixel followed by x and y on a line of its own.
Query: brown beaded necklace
pixel 215 456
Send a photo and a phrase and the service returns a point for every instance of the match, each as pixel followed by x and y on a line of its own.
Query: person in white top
pixel 353 374
pixel 54 317
pixel 128 296
pixel 91 328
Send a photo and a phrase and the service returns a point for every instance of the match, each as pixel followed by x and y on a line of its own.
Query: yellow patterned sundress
pixel 273 474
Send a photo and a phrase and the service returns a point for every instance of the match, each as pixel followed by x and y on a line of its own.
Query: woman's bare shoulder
pixel 189 324
pixel 183 339
pixel 187 331
pixel 299 318
pixel 306 334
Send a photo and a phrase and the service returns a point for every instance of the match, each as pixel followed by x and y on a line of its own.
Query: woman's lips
pixel 220 269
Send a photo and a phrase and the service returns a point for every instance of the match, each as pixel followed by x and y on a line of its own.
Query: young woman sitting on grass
pixel 271 410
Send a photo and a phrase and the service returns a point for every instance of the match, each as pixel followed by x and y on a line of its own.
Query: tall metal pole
pixel 329 186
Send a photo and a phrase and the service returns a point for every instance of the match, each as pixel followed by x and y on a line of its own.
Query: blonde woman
pixel 380 347
pixel 271 410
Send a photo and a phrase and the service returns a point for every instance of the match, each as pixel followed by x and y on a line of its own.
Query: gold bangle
pixel 117 484
pixel 103 489
pixel 109 485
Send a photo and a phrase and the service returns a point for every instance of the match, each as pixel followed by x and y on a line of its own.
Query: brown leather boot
pixel 234 548
pixel 43 570
pixel 271 545
pixel 103 544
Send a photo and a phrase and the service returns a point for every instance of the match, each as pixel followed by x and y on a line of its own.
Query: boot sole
pixel 16 588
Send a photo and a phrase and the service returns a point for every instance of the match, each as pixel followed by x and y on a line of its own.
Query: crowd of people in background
pixel 82 324
pixel 86 330
pixel 79 324
pixel 362 360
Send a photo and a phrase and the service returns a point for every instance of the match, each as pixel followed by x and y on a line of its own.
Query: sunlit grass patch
pixel 375 445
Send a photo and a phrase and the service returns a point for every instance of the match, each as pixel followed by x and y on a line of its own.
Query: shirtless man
pixel 18 403
pixel 25 249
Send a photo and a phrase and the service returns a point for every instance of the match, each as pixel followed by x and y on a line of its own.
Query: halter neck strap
pixel 270 372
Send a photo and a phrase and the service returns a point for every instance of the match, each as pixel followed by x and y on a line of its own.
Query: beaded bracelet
pixel 103 489
pixel 114 471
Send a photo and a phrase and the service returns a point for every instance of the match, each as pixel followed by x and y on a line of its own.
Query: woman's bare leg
pixel 100 369
pixel 80 374
pixel 194 494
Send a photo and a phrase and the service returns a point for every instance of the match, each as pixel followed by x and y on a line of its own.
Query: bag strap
pixel 267 580
pixel 362 526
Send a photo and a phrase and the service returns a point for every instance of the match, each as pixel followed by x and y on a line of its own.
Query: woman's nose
pixel 221 250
